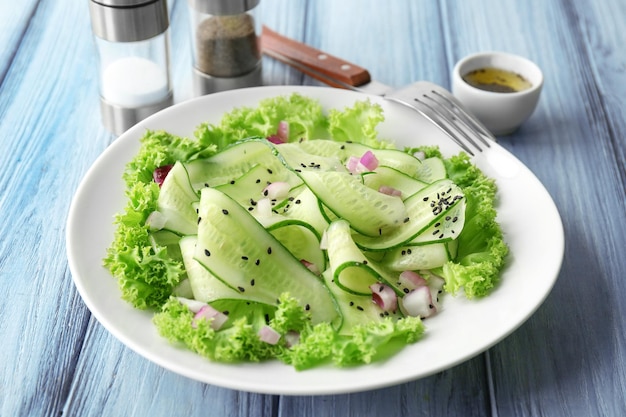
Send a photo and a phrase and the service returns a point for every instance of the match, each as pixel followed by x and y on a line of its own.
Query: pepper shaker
pixel 226 49
pixel 132 39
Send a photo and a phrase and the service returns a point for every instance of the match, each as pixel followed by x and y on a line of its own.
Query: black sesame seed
pixel 199 220
pixel 241 289
pixel 403 252
pixel 257 262
pixel 225 211
pixel 232 181
pixel 359 308
pixel 298 170
pixel 406 219
pixel 381 288
pixel 252 202
pixel 207 253
pixel 226 312
pixel 267 318
pixel 269 250
pixel 252 282
pixel 307 307
pixel 431 306
pixel 245 258
pixel 437 224
pixel 408 251
pixel 406 290
pixel 351 303
pixel 258 180
pixel 269 171
pixel 206 184
pixel 265 193
pixel 435 232
pixel 298 201
pixel 425 199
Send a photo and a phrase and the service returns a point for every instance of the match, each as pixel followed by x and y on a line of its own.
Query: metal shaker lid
pixel 128 20
pixel 223 7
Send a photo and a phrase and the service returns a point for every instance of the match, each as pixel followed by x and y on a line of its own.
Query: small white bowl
pixel 501 113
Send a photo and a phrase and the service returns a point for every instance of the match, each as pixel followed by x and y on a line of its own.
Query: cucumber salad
pixel 292 233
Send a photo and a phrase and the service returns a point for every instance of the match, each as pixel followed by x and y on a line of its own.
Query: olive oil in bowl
pixel 496 80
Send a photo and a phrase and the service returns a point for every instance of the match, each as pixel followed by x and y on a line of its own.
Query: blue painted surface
pixel 569 359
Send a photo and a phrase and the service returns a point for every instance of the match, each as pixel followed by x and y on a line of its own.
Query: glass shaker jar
pixel 226 48
pixel 133 47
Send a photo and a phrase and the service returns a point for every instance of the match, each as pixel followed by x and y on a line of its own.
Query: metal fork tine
pixel 442 123
pixel 482 131
pixel 450 117
pixel 442 109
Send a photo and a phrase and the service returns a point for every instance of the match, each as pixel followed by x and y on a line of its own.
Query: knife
pixel 320 65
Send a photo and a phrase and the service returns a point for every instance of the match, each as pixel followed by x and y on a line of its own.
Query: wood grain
pixel 568 359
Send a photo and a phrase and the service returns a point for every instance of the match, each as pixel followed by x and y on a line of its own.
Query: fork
pixel 433 102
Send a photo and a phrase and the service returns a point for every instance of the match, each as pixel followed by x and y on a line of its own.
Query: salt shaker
pixel 132 39
pixel 226 50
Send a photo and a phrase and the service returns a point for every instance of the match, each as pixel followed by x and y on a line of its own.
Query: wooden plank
pixel 398 45
pixel 15 18
pixel 568 358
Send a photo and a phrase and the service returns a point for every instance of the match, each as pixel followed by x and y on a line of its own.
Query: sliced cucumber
pixel 301 239
pixel 204 286
pixel 231 163
pixel 352 271
pixel 247 190
pixel 426 208
pixel 355 309
pixel 236 249
pixel 176 201
pixel 410 258
pixel 446 230
pixel 391 177
pixel 368 211
pixel 431 170
pixel 305 206
pixel 393 158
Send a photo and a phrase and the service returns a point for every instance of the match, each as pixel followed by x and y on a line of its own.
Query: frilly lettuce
pixel 148 275
pixel 318 344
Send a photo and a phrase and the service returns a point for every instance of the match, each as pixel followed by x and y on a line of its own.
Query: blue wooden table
pixel 568 359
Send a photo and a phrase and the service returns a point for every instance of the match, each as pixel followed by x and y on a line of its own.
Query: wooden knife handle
pixel 313 62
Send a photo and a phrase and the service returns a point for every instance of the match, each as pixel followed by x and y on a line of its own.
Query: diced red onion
pixel 420 155
pixel 384 296
pixel 283 131
pixel 292 338
pixel 160 173
pixel 412 280
pixel 269 335
pixel 418 303
pixel 274 139
pixel 264 207
pixel 324 241
pixel 352 163
pixel 311 266
pixel 193 305
pixel 369 161
pixel 277 189
pixel 156 220
pixel 207 312
pixel 385 189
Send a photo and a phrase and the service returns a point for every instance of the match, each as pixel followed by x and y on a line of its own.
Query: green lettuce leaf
pixel 238 340
pixel 358 123
pixel 482 251
pixel 304 115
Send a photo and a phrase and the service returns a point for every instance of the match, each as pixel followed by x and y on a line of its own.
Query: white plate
pixel 529 218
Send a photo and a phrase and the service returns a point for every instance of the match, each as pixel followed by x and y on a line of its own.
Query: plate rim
pixel 155 355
